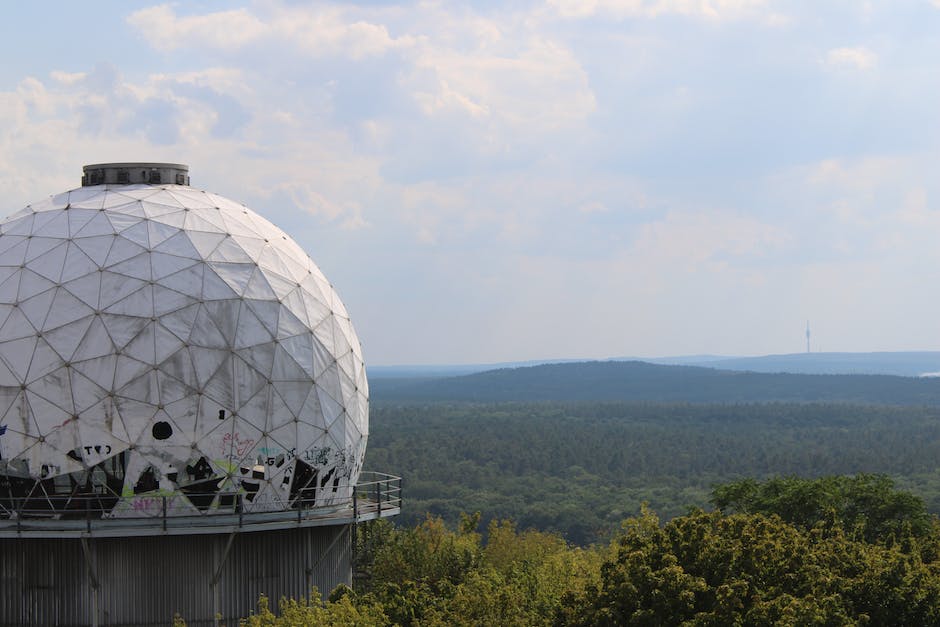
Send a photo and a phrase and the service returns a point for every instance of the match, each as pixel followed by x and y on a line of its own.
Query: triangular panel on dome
pixel 115 287
pixel 204 242
pixel 221 385
pixel 17 354
pixel 184 413
pixel 10 287
pixel 137 267
pixel 318 311
pixel 239 445
pixel 292 394
pixel 215 324
pixel 116 200
pixel 126 219
pixel 251 330
pixel 128 370
pixel 85 392
pixel 166 343
pixel 47 415
pixel 38 246
pixel 98 226
pixel 213 427
pixel 9 241
pixel 144 388
pixel 214 287
pixel 83 194
pixel 164 265
pixel 47 261
pixel 19 224
pixel 96 342
pixel 123 329
pixel 5 311
pixel 206 362
pixel 260 357
pixel 289 325
pixel 180 322
pixel 178 245
pixel 279 412
pixel 324 334
pixel 257 409
pixel 65 339
pixel 100 370
pixel 44 361
pixel 229 251
pixel 285 368
pixel 51 224
pixel 282 286
pixel 134 415
pixel 7 380
pixel 329 393
pixel 15 255
pixel 65 309
pixel 300 348
pixel 30 284
pixel 188 281
pixel 175 219
pixel 86 288
pixel 143 347
pixel 123 249
pixel 166 300
pixel 294 302
pixel 258 287
pixel 248 381
pixel 172 388
pixel 160 202
pixel 179 365
pixel 272 259
pixel 191 198
pixel 78 218
pixel 137 303
pixel 56 388
pixel 235 275
pixel 97 247
pixel 199 223
pixel 267 311
pixel 249 242
pixel 34 309
pixel 104 417
pixel 159 232
pixel 77 263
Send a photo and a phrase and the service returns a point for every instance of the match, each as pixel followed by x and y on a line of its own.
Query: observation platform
pixel 378 496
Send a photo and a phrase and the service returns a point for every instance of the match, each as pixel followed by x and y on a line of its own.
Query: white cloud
pixel 316 31
pixel 164 30
pixel 858 58
pixel 710 9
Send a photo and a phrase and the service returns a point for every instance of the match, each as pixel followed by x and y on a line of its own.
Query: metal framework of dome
pixel 156 339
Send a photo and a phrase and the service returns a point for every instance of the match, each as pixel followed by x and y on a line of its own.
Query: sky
pixel 503 181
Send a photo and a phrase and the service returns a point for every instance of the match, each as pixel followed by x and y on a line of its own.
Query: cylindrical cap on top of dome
pixel 135 173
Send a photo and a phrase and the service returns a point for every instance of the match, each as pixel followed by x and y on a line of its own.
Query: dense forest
pixel 580 468
pixel 641 381
pixel 831 551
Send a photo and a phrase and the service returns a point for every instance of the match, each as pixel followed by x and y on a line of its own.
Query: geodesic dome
pixel 160 340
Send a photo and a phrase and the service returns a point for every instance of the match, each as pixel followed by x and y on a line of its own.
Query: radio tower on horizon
pixel 807 336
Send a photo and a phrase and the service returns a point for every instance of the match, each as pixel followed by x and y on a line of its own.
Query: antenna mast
pixel 807 336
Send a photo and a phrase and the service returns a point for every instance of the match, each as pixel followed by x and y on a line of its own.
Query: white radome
pixel 159 340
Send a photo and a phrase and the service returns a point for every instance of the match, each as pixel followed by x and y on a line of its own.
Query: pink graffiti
pixel 234 441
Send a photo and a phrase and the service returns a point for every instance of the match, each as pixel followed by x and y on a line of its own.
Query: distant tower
pixel 807 336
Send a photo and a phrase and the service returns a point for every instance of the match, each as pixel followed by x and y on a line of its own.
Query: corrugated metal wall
pixel 145 581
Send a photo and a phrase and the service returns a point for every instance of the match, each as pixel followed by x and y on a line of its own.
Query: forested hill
pixel 641 381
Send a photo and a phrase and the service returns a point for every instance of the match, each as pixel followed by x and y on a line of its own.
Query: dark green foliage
pixel 580 468
pixel 868 504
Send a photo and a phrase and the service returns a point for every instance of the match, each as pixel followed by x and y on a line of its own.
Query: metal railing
pixel 375 495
